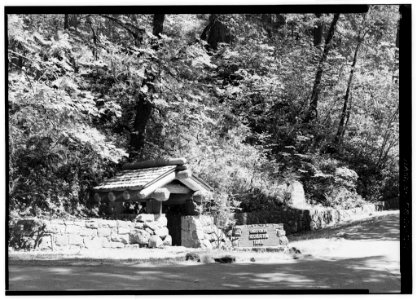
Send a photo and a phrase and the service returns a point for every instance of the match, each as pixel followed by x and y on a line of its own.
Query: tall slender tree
pixel 318 31
pixel 158 24
pixel 312 110
pixel 66 21
pixel 344 118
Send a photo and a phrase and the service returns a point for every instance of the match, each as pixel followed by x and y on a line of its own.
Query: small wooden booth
pixel 157 187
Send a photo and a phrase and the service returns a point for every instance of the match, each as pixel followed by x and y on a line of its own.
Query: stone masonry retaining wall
pixel 303 219
pixel 201 232
pixel 148 230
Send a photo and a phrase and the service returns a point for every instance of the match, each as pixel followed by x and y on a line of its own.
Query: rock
pixel 280 232
pixel 228 244
pixel 155 242
pixel 162 232
pixel 93 243
pixel 192 256
pixel 213 237
pixel 161 220
pixel 283 240
pixel 68 222
pixel 215 244
pixel 91 224
pixel 152 225
pixel 297 198
pixel 75 240
pixel 228 259
pixel 72 229
pixel 197 234
pixel 145 218
pixel 61 240
pixel 123 224
pixel 207 259
pixel 150 231
pixel 122 238
pixel 115 245
pixel 53 228
pixel 123 230
pixel 206 244
pixel 103 231
pixel 294 250
pixel 108 223
pixel 87 232
pixel 139 237
pixel 296 254
pixel 167 240
pixel 45 243
pixel 139 225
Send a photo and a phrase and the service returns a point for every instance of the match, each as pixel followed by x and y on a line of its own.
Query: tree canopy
pixel 252 101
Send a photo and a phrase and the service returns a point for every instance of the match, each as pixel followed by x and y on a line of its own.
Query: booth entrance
pixel 156 187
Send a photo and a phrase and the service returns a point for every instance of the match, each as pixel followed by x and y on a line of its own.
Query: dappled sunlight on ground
pixel 308 274
pixel 333 263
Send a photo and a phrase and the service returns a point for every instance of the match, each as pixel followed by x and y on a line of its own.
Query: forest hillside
pixel 252 101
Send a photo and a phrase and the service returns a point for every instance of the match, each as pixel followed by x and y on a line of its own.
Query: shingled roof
pixel 135 179
pixel 144 176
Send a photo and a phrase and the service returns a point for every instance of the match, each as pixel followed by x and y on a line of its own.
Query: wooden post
pixel 160 208
pixel 160 194
pixel 97 197
pixel 111 197
pixel 183 174
pixel 126 195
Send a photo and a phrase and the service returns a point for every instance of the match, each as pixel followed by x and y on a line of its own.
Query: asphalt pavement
pixel 363 256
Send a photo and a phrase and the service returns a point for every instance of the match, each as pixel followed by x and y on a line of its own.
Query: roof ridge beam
pixel 155 163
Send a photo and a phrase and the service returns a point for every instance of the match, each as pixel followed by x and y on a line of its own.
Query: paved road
pixel 357 257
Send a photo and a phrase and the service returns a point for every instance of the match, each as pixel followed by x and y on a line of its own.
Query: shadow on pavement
pixel 354 273
pixel 387 229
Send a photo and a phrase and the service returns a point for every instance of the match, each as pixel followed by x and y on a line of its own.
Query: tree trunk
pixel 66 22
pixel 340 130
pixel 144 106
pixel 143 114
pixel 318 31
pixel 312 111
pixel 345 111
pixel 216 32
pixel 158 24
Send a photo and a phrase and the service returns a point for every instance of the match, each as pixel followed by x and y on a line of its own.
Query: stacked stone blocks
pixel 201 232
pixel 148 230
pixel 298 220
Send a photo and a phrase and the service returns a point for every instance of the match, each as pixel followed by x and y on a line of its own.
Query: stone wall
pixel 201 232
pixel 148 230
pixel 309 218
pixel 389 204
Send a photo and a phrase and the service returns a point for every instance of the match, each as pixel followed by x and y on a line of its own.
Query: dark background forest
pixel 253 101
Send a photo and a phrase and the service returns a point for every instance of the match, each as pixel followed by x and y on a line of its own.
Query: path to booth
pixel 362 256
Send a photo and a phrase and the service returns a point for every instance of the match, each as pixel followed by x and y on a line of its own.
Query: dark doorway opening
pixel 173 214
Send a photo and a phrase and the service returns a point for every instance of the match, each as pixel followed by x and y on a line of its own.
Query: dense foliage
pixel 230 93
